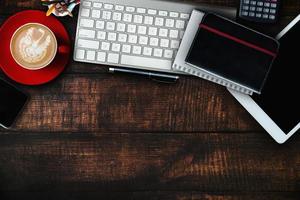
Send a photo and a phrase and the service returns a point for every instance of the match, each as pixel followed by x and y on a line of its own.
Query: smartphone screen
pixel 280 97
pixel 12 101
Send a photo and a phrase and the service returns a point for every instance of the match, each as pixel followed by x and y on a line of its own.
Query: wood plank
pixel 152 195
pixel 82 162
pixel 111 103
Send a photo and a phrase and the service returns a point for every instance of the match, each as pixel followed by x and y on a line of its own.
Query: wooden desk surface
pixel 92 134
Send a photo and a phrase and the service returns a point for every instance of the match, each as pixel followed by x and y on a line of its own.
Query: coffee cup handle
pixel 63 49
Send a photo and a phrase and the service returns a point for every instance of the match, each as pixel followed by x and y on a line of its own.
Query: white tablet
pixel 277 109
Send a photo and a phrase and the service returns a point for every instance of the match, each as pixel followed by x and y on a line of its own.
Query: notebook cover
pixel 233 52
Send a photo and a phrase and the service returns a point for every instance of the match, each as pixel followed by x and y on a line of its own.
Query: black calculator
pixel 264 11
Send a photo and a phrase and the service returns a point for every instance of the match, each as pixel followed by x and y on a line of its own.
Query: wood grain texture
pixel 209 162
pixel 93 135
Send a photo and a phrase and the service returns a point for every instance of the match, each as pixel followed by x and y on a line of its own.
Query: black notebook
pixel 232 52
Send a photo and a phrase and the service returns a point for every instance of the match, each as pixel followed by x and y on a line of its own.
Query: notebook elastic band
pixel 237 40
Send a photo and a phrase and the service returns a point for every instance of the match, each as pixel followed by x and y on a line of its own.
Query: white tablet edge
pixel 258 113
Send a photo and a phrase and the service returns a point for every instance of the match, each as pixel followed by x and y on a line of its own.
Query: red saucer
pixel 33 77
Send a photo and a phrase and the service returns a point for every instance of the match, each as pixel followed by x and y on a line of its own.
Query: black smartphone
pixel 12 101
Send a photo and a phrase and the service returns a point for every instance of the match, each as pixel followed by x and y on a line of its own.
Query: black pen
pixel 161 77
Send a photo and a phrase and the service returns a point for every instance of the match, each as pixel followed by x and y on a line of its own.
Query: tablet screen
pixel 280 95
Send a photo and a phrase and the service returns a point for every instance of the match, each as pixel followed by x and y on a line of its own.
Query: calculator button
pixel 258 15
pixel 272 17
pixel 246 1
pixel 273 5
pixel 273 11
pixel 245 7
pixel 245 13
pixel 251 14
pixel 267 4
pixel 265 16
pixel 260 3
pixel 266 10
pixel 253 3
pixel 252 8
pixel 259 9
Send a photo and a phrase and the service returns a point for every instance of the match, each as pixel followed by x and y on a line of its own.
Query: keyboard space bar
pixel 146 62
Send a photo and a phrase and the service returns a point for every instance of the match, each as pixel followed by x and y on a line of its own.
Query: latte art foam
pixel 33 46
pixel 34 49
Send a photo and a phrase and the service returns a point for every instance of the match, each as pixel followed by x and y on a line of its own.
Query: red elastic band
pixel 237 40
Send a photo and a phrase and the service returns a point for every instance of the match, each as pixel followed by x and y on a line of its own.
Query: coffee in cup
pixel 33 46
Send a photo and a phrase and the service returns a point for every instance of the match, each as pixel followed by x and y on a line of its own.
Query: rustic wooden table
pixel 92 134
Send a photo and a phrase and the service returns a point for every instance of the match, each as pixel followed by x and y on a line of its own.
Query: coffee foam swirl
pixel 33 45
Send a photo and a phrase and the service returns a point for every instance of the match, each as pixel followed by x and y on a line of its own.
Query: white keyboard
pixel 130 33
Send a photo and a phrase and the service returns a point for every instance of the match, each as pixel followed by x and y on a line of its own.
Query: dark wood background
pixel 92 134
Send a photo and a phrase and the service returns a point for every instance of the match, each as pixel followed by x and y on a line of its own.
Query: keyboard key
pixel 113 58
pixel 267 4
pixel 159 21
pixel 184 16
pixel 121 27
pixel 132 39
pixel 110 26
pixel 146 62
pixel 115 47
pixel 80 54
pixel 85 33
pixel 137 50
pixel 112 36
pixel 174 14
pixel 89 44
pixel 86 4
pixel 152 31
pixel 122 37
pixel 85 12
pixel 148 20
pixel 181 33
pixel 117 16
pixel 96 13
pixel 108 6
pixel 138 19
pixel 147 51
pixel 272 11
pixel 106 15
pixel 127 17
pixel 174 44
pixel 126 48
pixel 272 17
pixel 100 24
pixel 142 30
pixel 157 52
pixel 164 42
pixel 97 5
pixel 101 56
pixel 152 12
pixel 170 22
pixel 143 40
pixel 141 10
pixel 163 32
pixel 131 28
pixel 119 7
pixel 101 35
pixel 88 23
pixel 153 41
pixel 168 54
pixel 90 55
pixel 173 34
pixel 179 24
pixel 105 46
pixel 130 9
pixel 162 13
pixel 259 9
